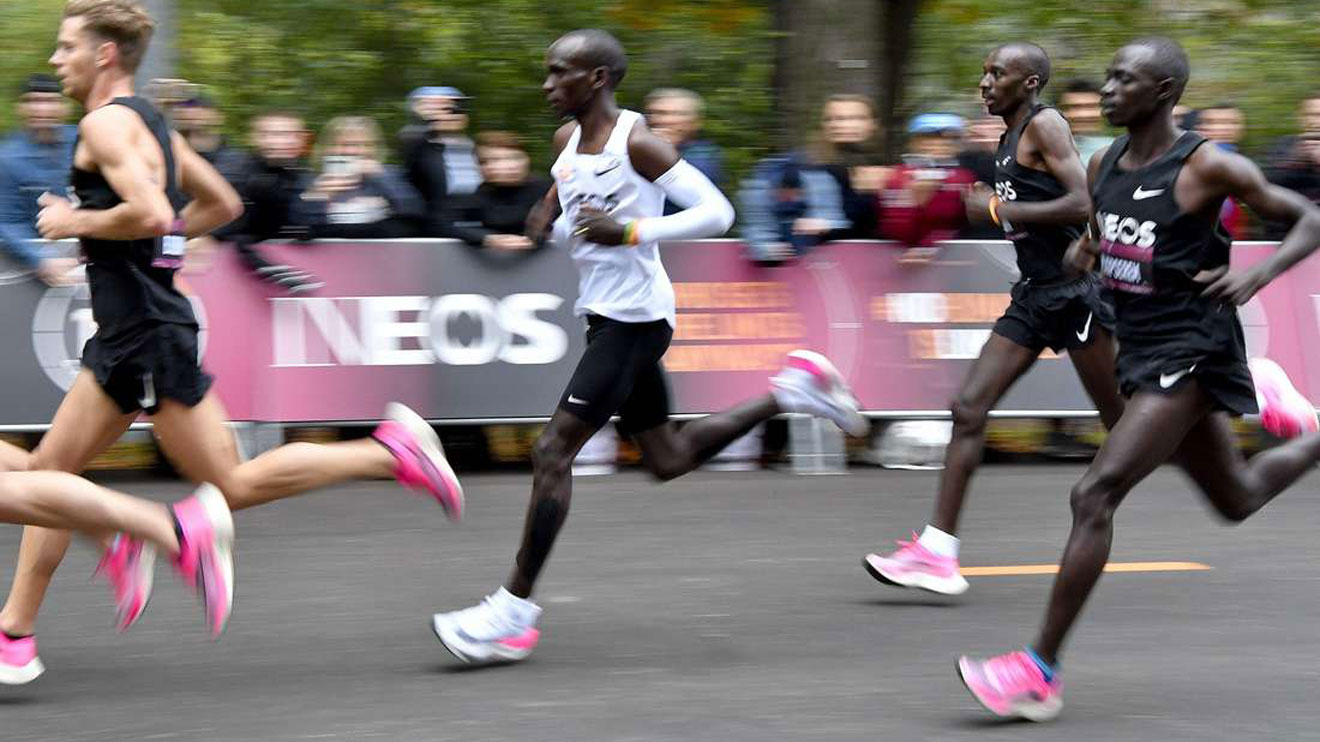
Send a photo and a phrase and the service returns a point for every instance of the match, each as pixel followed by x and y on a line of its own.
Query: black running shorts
pixel 155 364
pixel 1224 377
pixel 1056 316
pixel 621 372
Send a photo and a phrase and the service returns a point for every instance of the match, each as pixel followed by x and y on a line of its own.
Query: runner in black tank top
pixel 131 176
pixel 1151 253
pixel 1041 201
pixel 1156 231
pixel 145 347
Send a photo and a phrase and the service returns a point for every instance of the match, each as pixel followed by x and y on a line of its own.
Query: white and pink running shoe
pixel 420 462
pixel 206 552
pixel 130 567
pixel 810 384
pixel 19 663
pixel 486 633
pixel 1284 412
pixel 1013 685
pixel 913 565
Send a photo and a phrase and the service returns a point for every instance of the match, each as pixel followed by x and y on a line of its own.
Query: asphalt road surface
pixel 721 606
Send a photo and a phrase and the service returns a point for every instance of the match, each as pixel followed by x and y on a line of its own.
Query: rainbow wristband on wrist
pixel 631 232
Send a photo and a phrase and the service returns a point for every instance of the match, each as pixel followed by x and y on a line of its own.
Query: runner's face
pixel 568 85
pixel 74 58
pixel 1004 82
pixel 1130 93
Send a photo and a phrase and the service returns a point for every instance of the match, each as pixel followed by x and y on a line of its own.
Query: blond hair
pixel 125 22
pixel 341 125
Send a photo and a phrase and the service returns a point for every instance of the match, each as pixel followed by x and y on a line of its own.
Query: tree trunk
pixel 159 61
pixel 840 46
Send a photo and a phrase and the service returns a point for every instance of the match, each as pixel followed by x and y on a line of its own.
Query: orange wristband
pixel 994 210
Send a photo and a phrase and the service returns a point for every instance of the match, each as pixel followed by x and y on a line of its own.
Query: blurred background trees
pixel 763 67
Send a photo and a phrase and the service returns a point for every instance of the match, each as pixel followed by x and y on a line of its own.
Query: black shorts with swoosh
pixel 621 372
pixel 1223 376
pixel 153 364
pixel 1057 316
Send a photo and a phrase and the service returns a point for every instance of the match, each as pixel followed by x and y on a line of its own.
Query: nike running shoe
pixel 913 565
pixel 130 567
pixel 420 459
pixel 19 663
pixel 1284 412
pixel 483 633
pixel 810 384
pixel 206 552
pixel 1013 685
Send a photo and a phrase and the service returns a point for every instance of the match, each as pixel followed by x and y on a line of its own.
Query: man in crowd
pixel 33 161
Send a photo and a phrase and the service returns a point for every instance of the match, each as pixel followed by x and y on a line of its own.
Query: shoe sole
pixel 222 528
pixel 434 452
pixel 937 585
pixel 854 423
pixel 147 577
pixel 1036 712
pixel 498 654
pixel 22 675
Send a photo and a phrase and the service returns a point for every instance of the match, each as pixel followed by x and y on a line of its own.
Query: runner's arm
pixel 214 202
pixel 1240 178
pixel 706 212
pixel 1054 140
pixel 144 210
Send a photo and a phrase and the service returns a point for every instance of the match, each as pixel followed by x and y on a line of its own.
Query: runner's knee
pixel 968 416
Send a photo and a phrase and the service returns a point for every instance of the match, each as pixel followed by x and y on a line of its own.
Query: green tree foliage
pixel 1263 55
pixel 27 37
pixel 328 57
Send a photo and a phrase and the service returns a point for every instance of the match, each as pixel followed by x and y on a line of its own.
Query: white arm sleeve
pixel 706 212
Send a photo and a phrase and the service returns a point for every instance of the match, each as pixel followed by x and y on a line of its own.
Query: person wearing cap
pixel 34 160
pixel 921 203
pixel 439 159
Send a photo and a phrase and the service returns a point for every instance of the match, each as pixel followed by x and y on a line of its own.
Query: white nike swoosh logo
pixel 575 400
pixel 1086 329
pixel 1168 380
pixel 1142 195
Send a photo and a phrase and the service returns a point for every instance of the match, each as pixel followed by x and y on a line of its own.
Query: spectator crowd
pixel 448 183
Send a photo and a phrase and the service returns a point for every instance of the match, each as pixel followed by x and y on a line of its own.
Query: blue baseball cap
pixel 936 123
pixel 436 91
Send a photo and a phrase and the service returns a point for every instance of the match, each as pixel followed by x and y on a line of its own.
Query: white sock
pixel 939 542
pixel 521 611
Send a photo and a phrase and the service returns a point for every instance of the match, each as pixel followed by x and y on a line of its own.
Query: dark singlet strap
pixel 155 122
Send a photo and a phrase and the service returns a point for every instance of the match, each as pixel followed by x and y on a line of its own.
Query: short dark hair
pixel 1168 61
pixel 1081 85
pixel 1036 60
pixel 1221 106
pixel 40 83
pixel 599 48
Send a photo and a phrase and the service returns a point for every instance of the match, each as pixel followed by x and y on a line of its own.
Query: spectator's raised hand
pixel 595 225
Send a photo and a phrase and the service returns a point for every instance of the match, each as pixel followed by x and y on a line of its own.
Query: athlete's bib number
pixel 170 251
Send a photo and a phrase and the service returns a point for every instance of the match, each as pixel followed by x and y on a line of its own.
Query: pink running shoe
pixel 810 384
pixel 206 552
pixel 19 663
pixel 1284 412
pixel 1013 685
pixel 913 565
pixel 130 567
pixel 420 459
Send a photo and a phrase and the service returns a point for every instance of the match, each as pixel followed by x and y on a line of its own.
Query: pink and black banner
pixel 463 335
